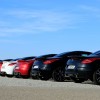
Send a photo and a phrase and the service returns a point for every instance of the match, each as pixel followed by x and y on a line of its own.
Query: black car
pixel 38 63
pixel 54 67
pixel 80 69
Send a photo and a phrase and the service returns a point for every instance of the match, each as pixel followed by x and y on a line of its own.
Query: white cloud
pixel 90 8
pixel 91 11
pixel 36 21
pixel 3 35
pixel 11 41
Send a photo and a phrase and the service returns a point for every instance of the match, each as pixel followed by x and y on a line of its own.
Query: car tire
pixel 96 77
pixel 2 75
pixel 58 74
pixel 10 76
pixel 77 80
pixel 18 76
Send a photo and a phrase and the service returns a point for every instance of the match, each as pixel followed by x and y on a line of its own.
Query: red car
pixel 23 67
pixel 0 64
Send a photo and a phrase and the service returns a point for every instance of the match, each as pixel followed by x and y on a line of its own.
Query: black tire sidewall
pixel 95 78
pixel 54 75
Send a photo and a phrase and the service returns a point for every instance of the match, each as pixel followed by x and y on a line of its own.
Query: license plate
pixel 16 67
pixel 71 67
pixel 35 66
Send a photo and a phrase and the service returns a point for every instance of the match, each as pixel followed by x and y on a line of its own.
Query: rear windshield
pixel 7 59
pixel 84 55
pixel 16 59
pixel 27 58
pixel 45 56
pixel 62 54
pixel 95 54
pixel 79 53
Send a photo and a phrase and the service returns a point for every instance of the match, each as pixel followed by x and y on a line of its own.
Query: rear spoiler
pixel 81 57
pixel 72 57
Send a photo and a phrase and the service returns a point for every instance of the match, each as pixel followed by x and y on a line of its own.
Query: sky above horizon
pixel 38 27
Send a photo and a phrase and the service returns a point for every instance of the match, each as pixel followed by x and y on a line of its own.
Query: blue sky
pixel 37 27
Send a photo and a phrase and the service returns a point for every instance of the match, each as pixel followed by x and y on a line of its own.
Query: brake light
pixel 11 64
pixel 0 64
pixel 89 60
pixel 50 61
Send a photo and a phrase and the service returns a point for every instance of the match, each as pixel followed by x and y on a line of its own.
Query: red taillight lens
pixel 89 60
pixel 50 61
pixel 11 64
pixel 0 64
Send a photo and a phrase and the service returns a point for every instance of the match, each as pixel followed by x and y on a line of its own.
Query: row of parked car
pixel 78 66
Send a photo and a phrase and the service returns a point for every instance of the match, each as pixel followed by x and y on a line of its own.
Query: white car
pixel 8 67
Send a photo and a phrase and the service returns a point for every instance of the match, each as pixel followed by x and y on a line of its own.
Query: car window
pixel 79 53
pixel 16 59
pixel 95 53
pixel 7 60
pixel 62 54
pixel 84 55
pixel 45 56
pixel 27 58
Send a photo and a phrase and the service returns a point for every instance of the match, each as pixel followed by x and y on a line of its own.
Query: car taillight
pixel 50 61
pixel 89 60
pixel 11 64
pixel 0 64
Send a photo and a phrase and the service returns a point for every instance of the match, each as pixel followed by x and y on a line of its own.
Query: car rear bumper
pixel 16 74
pixel 38 73
pixel 3 73
pixel 35 73
pixel 79 73
pixel 21 72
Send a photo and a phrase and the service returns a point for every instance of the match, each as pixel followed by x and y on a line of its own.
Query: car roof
pixel 7 59
pixel 26 58
pixel 71 52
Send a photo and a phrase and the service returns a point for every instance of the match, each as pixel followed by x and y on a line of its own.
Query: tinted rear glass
pixel 16 59
pixel 95 54
pixel 62 54
pixel 84 55
pixel 27 58
pixel 79 53
pixel 7 59
pixel 45 56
